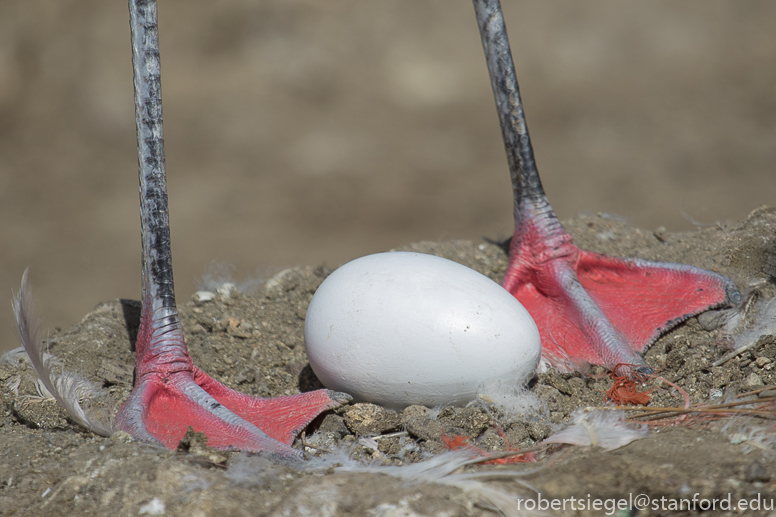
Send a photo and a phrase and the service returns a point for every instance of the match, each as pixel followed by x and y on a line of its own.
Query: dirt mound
pixel 253 342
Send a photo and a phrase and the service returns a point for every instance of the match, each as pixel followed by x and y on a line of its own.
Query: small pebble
pixel 121 437
pixel 559 383
pixel 756 472
pixel 417 421
pixel 762 361
pixel 229 321
pixel 539 431
pixel 370 419
pixel 198 329
pixel 334 424
pixel 246 375
pixel 754 380
pixel 237 332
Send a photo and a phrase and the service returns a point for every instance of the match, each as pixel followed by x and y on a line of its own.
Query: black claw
pixel 644 370
pixel 734 295
pixel 338 396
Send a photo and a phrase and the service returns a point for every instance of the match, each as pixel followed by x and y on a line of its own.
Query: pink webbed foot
pixel 589 308
pixel 162 407
pixel 598 309
pixel 172 394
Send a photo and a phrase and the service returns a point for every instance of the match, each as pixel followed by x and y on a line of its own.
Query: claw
pixel 589 308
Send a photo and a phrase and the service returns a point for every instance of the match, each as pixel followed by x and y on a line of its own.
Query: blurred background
pixel 307 132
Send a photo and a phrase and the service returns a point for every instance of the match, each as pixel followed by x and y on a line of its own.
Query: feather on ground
pixel 605 429
pixel 66 387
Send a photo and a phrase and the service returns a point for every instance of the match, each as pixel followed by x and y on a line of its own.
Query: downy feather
pixel 67 388
pixel 605 429
pixel 443 469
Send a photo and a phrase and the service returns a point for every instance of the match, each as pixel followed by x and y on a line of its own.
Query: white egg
pixel 400 328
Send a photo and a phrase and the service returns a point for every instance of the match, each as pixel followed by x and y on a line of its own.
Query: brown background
pixel 301 132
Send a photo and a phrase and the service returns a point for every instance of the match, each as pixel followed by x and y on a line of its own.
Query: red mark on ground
pixel 457 442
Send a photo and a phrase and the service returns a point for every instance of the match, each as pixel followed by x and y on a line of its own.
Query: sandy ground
pixel 305 132
pixel 253 341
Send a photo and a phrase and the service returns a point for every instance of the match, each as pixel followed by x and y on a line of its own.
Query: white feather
pixel 605 429
pixel 513 401
pixel 747 338
pixel 67 388
pixel 442 469
pixel 13 384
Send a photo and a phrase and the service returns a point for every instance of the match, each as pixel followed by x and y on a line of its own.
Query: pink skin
pixel 597 309
pixel 589 308
pixel 171 394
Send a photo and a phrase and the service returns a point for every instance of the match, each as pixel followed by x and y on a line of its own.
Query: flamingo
pixel 170 392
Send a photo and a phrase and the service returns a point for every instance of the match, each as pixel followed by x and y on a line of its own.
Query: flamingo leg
pixel 170 392
pixel 589 308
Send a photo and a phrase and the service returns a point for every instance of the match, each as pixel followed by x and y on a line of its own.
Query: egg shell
pixel 402 328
